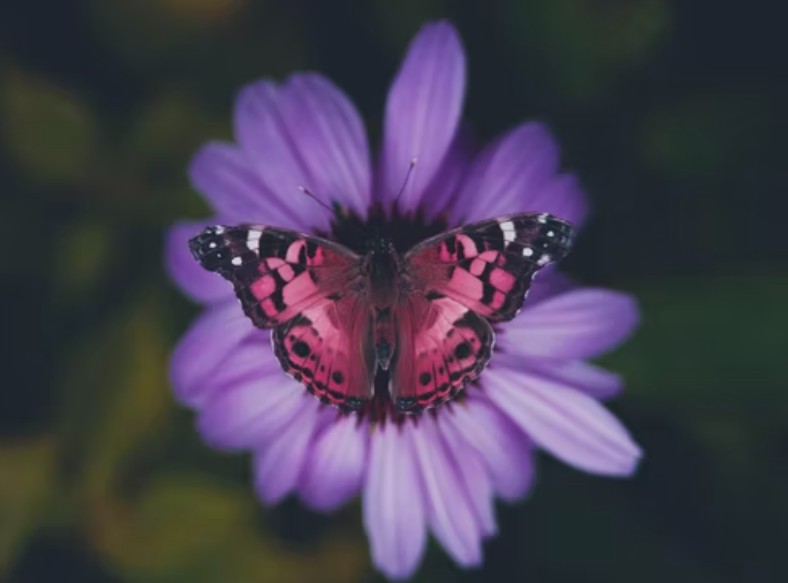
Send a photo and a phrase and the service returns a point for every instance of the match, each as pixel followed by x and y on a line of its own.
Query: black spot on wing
pixel 462 351
pixel 301 349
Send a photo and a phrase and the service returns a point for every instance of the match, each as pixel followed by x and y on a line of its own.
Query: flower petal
pixel 519 173
pixel 252 411
pixel 201 285
pixel 548 283
pixel 594 381
pixel 505 449
pixel 447 180
pixel 581 323
pixel 473 475
pixel 223 174
pixel 330 140
pixel 449 511
pixel 335 463
pixel 277 466
pixel 567 423
pixel 422 112
pixel 215 334
pixel 393 504
pixel 305 134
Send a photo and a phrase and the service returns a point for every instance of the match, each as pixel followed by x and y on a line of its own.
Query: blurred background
pixel 672 114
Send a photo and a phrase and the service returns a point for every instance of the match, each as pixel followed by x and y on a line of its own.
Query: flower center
pixel 403 230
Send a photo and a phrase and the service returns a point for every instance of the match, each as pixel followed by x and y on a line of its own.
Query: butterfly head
pixel 381 247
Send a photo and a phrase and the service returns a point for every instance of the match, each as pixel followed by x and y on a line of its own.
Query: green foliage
pixel 51 133
pixel 587 45
pixel 27 469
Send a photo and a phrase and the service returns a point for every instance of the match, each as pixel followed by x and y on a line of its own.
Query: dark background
pixel 672 114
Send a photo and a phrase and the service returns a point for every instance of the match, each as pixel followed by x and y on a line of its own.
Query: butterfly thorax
pixel 383 268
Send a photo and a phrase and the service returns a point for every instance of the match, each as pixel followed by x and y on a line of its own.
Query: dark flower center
pixel 404 230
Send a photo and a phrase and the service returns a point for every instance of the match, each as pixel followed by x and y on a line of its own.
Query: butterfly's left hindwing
pixel 488 266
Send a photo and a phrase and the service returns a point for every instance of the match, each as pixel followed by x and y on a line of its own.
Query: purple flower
pixel 439 471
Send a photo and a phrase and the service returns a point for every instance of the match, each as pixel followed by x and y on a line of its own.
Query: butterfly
pixel 423 318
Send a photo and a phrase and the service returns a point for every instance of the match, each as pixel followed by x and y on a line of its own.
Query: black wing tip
pixel 556 236
pixel 209 248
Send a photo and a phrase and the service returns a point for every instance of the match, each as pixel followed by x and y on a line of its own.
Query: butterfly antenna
pixel 309 193
pixel 411 166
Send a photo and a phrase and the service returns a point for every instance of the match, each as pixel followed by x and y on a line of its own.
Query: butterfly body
pixel 419 319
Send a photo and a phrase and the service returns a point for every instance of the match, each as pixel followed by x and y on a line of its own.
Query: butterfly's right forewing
pixel 488 266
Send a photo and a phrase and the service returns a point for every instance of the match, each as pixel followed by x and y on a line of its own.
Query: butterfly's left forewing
pixel 306 289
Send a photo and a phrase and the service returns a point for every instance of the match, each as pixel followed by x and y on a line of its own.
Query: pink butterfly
pixel 417 323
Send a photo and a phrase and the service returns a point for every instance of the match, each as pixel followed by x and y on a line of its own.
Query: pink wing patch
pixel 442 347
pixel 488 266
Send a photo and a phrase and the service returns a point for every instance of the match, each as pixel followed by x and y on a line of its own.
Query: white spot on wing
pixel 544 260
pixel 509 233
pixel 253 240
pixel 542 218
pixel 527 251
pixel 236 261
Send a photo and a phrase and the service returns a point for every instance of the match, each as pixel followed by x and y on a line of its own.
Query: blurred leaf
pixel 26 479
pixel 167 22
pixel 188 528
pixel 702 135
pixel 168 26
pixel 51 133
pixel 168 131
pixel 705 342
pixel 400 20
pixel 157 151
pixel 200 14
pixel 586 44
pixel 116 394
pixel 84 251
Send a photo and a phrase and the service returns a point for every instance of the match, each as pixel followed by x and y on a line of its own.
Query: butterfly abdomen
pixel 384 335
